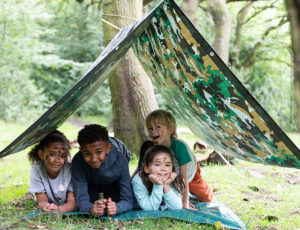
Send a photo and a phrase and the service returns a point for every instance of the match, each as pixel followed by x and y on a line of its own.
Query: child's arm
pixel 80 185
pixel 146 201
pixel 43 202
pixel 171 196
pixel 70 204
pixel 173 199
pixel 183 173
pixel 126 195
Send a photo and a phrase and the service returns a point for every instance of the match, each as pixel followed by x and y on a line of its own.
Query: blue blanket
pixel 208 213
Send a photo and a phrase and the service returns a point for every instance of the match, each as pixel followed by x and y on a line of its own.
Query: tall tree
pixel 293 9
pixel 131 89
pixel 222 19
pixel 190 8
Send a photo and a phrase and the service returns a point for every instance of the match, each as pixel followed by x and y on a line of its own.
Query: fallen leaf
pixel 271 218
pixel 254 188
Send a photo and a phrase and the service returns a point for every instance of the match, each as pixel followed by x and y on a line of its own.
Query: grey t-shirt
pixel 55 189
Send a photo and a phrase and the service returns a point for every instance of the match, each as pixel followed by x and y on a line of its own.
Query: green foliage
pixel 77 41
pixel 19 45
pixel 269 77
pixel 78 31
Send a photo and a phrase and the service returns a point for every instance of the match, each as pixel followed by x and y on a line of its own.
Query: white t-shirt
pixel 55 189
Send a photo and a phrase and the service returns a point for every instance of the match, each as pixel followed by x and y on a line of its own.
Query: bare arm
pixel 185 199
pixel 42 201
pixel 70 204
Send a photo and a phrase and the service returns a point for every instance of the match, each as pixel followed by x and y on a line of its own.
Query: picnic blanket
pixel 207 213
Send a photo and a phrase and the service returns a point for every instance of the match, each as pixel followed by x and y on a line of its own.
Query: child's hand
pixel 111 207
pixel 186 205
pixel 192 207
pixel 99 207
pixel 171 178
pixel 50 207
pixel 155 180
pixel 189 205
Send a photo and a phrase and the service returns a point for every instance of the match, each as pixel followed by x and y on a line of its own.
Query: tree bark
pixel 131 89
pixel 293 9
pixel 190 8
pixel 222 19
pixel 240 22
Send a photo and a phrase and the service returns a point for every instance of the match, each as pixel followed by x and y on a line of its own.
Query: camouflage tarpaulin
pixel 193 79
pixel 206 94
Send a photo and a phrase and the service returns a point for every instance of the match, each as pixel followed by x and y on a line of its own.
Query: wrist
pixel 167 188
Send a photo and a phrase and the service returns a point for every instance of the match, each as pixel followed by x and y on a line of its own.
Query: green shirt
pixel 180 151
pixel 184 155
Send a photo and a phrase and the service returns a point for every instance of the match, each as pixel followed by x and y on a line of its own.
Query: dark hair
pixel 177 184
pixel 92 133
pixel 54 136
pixel 145 146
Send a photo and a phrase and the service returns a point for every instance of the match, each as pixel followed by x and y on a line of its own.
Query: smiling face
pixel 160 133
pixel 54 156
pixel 95 153
pixel 161 166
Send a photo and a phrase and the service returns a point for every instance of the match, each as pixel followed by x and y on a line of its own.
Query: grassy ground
pixel 265 197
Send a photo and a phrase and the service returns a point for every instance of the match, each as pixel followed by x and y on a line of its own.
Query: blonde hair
pixel 164 117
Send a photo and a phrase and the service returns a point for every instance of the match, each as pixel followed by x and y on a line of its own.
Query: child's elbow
pixel 149 206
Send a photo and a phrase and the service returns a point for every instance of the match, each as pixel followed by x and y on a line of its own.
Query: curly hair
pixel 92 133
pixel 54 136
pixel 177 184
pixel 164 117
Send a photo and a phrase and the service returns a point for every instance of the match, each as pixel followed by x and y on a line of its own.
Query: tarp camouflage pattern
pixel 190 75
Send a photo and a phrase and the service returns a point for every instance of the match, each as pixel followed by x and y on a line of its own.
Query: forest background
pixel 46 46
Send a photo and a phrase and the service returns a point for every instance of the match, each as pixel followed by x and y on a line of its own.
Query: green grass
pixel 278 194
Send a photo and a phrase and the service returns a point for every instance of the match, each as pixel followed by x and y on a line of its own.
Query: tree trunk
pixel 293 9
pixel 190 8
pixel 222 19
pixel 238 31
pixel 131 89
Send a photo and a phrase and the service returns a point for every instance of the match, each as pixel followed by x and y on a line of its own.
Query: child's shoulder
pixel 179 143
pixel 137 178
pixel 38 168
pixel 37 165
pixel 67 166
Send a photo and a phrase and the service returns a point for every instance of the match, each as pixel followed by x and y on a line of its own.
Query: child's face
pixel 161 166
pixel 159 133
pixel 95 153
pixel 54 157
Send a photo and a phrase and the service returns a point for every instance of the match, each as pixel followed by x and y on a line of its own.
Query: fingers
pixel 173 175
pixel 171 178
pixel 111 207
pixel 155 180
pixel 50 207
pixel 192 207
pixel 98 208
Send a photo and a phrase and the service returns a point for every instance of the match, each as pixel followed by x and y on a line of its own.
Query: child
pixel 101 166
pixel 157 184
pixel 51 173
pixel 161 127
